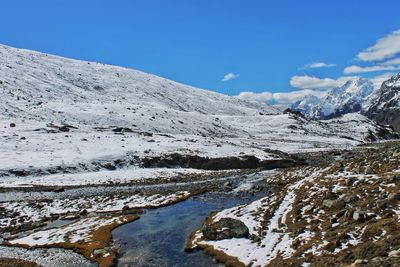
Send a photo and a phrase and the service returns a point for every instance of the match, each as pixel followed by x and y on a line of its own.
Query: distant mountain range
pixel 358 95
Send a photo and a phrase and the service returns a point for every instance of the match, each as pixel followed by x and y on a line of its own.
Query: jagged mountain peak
pixel 394 81
pixel 338 101
pixel 384 104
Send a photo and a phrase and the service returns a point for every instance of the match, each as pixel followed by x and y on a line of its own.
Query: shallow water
pixel 158 238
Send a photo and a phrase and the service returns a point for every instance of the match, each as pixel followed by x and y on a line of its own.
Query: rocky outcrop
pixel 384 104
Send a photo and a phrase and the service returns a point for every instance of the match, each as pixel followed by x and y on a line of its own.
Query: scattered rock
pixel 394 179
pixel 98 251
pixel 359 262
pixel 362 216
pixel 64 128
pixel 108 166
pixel 334 204
pixel 350 198
pixel 83 212
pixel 228 185
pixel 122 130
pixel 368 170
pixel 394 253
pixel 381 204
pixel 59 189
pixel 341 213
pixel 394 196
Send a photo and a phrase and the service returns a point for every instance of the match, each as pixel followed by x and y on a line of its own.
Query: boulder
pixel 394 196
pixel 224 229
pixel 228 185
pixel 369 171
pixel 394 253
pixel 362 216
pixel 64 128
pixel 381 204
pixel 99 251
pixel 334 204
pixel 350 198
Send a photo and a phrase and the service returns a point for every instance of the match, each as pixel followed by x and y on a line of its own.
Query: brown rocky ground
pixel 344 213
pixel 6 262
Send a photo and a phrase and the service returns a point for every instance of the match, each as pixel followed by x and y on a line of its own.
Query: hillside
pixel 64 116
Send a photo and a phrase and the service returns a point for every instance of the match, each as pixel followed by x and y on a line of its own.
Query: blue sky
pixel 264 46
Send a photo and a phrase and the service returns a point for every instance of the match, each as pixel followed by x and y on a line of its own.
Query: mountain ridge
pixel 384 104
pixel 344 99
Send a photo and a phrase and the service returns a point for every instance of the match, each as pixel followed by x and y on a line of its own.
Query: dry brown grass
pixel 100 239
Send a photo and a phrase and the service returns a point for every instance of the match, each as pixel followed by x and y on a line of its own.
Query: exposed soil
pixel 6 262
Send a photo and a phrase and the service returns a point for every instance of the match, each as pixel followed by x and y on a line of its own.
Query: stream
pixel 158 238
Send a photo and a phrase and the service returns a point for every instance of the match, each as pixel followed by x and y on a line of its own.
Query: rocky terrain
pixel 343 213
pixel 384 104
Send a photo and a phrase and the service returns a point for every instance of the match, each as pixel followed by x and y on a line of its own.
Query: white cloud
pixel 259 97
pixel 315 65
pixel 314 83
pixel 384 48
pixel 291 97
pixel 394 61
pixel 229 76
pixel 285 99
pixel 379 67
pixel 282 98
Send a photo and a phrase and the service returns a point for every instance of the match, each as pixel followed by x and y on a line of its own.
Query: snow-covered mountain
pixel 307 105
pixel 338 101
pixel 384 104
pixel 36 85
pixel 64 115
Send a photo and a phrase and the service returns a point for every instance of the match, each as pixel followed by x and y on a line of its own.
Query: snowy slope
pixel 66 116
pixel 341 100
pixel 36 85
